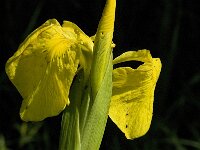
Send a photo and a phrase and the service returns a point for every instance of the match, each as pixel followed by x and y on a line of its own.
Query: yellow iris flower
pixel 44 66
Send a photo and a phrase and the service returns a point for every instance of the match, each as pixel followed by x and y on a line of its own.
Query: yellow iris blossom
pixel 44 66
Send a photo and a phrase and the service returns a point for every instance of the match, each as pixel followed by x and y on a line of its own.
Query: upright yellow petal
pixel 131 105
pixel 82 39
pixel 85 43
pixel 42 70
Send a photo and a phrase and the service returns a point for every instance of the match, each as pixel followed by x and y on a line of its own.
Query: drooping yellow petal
pixel 131 105
pixel 42 70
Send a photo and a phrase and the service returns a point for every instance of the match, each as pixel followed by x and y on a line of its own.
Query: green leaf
pixel 101 81
pixel 98 113
pixel 70 131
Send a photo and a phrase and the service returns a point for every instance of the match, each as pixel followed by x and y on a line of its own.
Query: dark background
pixel 169 28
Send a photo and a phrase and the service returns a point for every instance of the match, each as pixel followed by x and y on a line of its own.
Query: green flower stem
pixel 70 131
pixel 84 120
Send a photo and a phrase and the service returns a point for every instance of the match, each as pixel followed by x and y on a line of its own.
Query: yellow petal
pixel 140 55
pixel 131 105
pixel 85 43
pixel 42 70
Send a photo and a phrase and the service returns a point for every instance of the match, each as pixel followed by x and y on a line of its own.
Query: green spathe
pixel 85 119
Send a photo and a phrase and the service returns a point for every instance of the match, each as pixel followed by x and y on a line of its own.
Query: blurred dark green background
pixel 169 28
